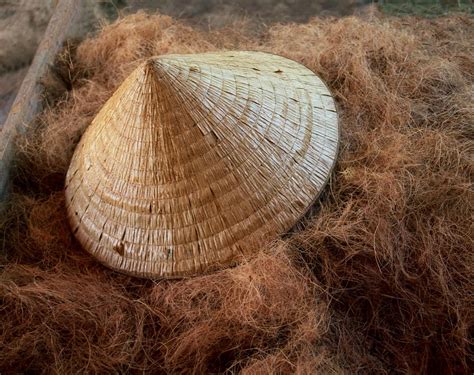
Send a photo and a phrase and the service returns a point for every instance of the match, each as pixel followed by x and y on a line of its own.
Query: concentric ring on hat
pixel 199 159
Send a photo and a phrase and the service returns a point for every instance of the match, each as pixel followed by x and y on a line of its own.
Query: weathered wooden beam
pixel 65 23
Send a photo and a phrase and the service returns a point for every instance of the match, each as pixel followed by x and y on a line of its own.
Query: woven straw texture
pixel 197 159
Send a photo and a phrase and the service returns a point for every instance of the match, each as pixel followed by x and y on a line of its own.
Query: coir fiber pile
pixel 380 280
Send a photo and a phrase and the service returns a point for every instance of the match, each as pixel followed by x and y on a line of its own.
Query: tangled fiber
pixel 380 280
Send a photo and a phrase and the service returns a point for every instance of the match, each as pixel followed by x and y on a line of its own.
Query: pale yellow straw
pixel 199 159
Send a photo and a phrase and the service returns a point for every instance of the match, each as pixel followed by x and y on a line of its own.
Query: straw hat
pixel 197 160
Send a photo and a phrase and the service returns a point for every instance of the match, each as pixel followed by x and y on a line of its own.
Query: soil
pixel 9 85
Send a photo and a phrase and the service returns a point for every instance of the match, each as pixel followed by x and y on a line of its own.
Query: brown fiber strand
pixel 380 281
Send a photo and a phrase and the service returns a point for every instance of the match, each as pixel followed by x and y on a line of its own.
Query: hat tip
pixel 157 66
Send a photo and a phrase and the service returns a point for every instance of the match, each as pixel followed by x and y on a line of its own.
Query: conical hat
pixel 198 159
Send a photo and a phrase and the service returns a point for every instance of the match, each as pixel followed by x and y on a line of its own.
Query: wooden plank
pixel 65 23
